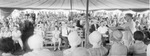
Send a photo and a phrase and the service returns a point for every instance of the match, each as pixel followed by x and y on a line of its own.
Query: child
pixel 96 40
pixel 56 38
pixel 117 48
pixel 138 47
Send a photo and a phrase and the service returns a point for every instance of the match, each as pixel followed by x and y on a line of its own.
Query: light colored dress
pixel 118 49
pixel 98 51
pixel 56 36
pixel 128 35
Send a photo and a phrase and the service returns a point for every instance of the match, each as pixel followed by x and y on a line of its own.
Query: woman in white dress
pixel 56 37
pixel 16 36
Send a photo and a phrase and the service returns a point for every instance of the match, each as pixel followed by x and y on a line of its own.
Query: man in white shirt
pixel 129 29
pixel 64 33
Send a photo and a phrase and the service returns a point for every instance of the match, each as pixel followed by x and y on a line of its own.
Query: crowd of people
pixel 111 34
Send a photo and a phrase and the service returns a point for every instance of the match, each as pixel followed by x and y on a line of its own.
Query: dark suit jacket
pixel 92 28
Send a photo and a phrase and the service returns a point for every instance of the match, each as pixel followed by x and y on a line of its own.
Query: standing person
pixel 64 33
pixel 56 38
pixel 129 29
pixel 16 36
pixel 138 47
pixel 94 26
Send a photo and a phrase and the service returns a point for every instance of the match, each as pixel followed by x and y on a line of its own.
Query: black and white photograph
pixel 74 27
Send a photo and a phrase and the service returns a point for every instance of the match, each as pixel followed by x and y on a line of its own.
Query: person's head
pixel 7 45
pixel 116 36
pixel 138 35
pixel 95 38
pixel 74 39
pixel 128 17
pixel 80 52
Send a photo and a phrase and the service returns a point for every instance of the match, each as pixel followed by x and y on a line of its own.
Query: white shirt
pixel 102 29
pixel 64 31
pixel 16 34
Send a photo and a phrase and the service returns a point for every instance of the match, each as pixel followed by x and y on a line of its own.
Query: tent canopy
pixel 76 4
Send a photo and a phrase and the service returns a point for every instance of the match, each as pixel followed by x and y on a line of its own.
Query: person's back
pixel 138 47
pixel 96 40
pixel 117 48
pixel 98 51
pixel 80 52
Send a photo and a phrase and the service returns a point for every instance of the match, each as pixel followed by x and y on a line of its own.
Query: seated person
pixel 80 52
pixel 117 48
pixel 74 41
pixel 98 49
pixel 56 38
pixel 7 46
pixel 35 43
pixel 16 36
pixel 138 47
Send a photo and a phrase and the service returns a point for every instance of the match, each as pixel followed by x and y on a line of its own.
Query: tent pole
pixel 71 9
pixel 87 24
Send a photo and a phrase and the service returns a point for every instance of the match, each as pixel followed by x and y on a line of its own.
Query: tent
pixel 7 6
pixel 76 4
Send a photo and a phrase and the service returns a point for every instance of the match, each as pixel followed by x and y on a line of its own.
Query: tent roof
pixel 76 4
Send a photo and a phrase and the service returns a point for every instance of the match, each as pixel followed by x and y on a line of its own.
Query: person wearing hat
pixel 117 47
pixel 98 49
pixel 74 41
pixel 35 43
pixel 128 29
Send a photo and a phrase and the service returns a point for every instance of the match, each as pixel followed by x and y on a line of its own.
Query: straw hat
pixel 117 35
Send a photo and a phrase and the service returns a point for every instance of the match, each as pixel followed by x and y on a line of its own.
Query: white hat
pixel 74 38
pixel 95 37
